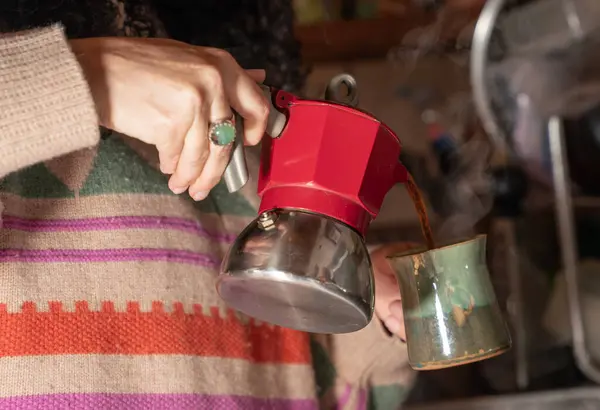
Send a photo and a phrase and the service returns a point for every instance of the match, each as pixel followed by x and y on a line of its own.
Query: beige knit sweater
pixel 107 279
pixel 46 109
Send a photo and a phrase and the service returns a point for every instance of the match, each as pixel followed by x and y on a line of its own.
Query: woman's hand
pixel 388 305
pixel 167 93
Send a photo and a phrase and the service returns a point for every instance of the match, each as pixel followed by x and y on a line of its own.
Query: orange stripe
pixel 31 332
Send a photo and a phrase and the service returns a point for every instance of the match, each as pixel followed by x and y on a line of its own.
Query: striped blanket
pixel 107 301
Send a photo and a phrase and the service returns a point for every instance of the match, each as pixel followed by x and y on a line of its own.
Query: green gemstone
pixel 223 134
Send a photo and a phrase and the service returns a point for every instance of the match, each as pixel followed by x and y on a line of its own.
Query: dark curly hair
pixel 259 33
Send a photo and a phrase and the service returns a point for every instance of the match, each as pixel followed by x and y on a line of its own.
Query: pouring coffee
pixel 324 173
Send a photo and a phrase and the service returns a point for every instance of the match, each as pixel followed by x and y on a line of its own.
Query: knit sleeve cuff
pixel 361 355
pixel 46 108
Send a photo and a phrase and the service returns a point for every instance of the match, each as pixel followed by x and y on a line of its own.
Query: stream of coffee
pixel 417 198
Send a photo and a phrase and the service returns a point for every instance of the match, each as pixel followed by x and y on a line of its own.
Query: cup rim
pixel 423 250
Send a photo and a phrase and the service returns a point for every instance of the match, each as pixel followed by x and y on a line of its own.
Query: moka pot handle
pixel 236 174
pixel 342 89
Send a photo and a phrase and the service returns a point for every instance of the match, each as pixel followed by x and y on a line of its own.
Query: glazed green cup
pixel 451 314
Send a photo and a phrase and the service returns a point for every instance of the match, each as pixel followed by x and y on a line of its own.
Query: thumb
pixel 386 285
pixel 257 75
pixel 388 307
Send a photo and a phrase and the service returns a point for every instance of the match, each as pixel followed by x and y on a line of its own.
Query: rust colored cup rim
pixel 423 250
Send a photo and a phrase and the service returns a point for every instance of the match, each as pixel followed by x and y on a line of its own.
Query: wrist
pixel 88 53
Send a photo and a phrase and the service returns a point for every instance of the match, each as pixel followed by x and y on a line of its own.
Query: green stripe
pixel 118 169
pixel 387 397
pixel 325 373
pixel 35 182
pixel 220 201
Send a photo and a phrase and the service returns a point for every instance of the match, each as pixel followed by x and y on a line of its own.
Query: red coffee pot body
pixel 302 263
pixel 330 159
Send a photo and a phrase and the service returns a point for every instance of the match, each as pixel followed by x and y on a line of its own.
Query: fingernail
pixel 178 190
pixel 175 188
pixel 392 324
pixel 200 195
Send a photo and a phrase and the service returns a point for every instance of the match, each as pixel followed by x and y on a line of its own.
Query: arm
pixel 364 370
pixel 368 368
pixel 50 110
pixel 46 109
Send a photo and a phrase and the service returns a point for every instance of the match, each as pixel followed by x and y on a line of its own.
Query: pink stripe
pixel 107 255
pixel 343 400
pixel 151 401
pixel 362 399
pixel 111 223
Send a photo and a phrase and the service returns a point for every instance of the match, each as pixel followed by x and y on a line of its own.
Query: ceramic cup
pixel 450 310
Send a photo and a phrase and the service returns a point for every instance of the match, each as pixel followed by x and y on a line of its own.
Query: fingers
pixel 169 151
pixel 212 172
pixel 221 86
pixel 218 156
pixel 257 75
pixel 212 106
pixel 246 98
pixel 388 304
pixel 193 156
pixel 386 285
pixel 394 322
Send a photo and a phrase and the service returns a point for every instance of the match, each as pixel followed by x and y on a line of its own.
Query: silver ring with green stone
pixel 222 133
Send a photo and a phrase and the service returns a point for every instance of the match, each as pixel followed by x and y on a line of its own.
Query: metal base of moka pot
pixel 324 172
pixel 300 270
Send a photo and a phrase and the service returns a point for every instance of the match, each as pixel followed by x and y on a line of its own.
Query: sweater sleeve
pixel 46 108
pixel 363 370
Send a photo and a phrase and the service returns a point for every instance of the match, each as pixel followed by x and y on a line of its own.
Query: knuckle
pixel 167 154
pixel 170 134
pixel 262 111
pixel 222 55
pixel 211 75
pixel 206 184
pixel 168 165
pixel 193 96
pixel 194 166
pixel 214 181
pixel 186 176
pixel 166 136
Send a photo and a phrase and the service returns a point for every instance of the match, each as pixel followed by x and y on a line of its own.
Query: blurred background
pixel 509 147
